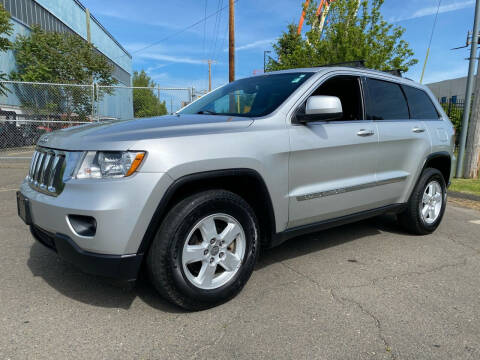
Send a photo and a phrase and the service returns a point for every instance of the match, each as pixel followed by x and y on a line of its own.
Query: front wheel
pixel 205 250
pixel 427 203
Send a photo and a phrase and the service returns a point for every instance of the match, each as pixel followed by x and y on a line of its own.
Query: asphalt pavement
pixel 361 291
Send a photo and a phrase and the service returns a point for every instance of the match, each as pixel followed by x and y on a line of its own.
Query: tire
pixel 412 219
pixel 187 227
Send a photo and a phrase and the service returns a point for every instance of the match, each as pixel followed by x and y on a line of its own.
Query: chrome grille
pixel 46 171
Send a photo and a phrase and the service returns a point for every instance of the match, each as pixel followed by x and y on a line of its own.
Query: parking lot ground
pixel 23 153
pixel 362 291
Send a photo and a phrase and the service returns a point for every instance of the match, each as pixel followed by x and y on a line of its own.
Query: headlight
pixel 108 164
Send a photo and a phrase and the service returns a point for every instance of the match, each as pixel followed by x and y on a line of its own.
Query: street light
pixel 265 59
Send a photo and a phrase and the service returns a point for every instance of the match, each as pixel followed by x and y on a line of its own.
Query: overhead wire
pixel 177 32
pixel 216 28
pixel 204 28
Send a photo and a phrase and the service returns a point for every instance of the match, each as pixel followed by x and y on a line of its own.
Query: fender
pixel 162 207
pixel 432 156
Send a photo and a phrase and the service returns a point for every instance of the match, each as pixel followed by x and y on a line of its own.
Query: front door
pixel 332 163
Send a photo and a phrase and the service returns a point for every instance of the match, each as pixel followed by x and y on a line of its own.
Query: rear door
pixel 422 108
pixel 403 142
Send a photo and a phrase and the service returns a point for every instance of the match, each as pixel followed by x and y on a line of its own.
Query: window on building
pixel 444 99
pixel 420 104
pixel 454 99
pixel 385 101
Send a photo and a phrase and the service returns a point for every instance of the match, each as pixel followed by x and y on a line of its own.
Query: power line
pixel 216 27
pixel 204 27
pixel 181 31
pixel 222 46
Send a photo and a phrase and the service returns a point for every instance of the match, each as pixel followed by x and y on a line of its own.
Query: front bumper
pixel 122 208
pixel 121 267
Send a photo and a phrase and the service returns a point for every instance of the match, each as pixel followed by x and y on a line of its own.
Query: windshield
pixel 250 97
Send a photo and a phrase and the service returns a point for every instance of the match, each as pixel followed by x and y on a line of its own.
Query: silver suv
pixel 195 195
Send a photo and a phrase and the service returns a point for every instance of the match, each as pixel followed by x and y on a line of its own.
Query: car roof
pixel 357 70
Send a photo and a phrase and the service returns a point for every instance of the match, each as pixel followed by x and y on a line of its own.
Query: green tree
pixel 355 31
pixel 6 28
pixel 145 103
pixel 54 57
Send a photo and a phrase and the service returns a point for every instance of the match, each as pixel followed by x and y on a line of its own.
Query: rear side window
pixel 421 107
pixel 385 101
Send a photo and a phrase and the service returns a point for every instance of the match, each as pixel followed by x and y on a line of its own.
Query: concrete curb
pixel 460 195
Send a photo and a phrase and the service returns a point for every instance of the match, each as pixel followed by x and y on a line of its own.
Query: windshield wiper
pixel 207 112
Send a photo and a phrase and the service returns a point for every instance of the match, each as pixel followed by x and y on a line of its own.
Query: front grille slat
pixel 52 175
pixel 30 172
pixel 46 171
pixel 38 166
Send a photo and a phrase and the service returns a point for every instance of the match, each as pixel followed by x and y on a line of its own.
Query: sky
pixel 178 57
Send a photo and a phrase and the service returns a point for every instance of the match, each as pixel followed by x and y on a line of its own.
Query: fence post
pixel 93 100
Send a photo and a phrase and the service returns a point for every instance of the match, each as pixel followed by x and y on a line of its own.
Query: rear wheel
pixel 205 250
pixel 427 203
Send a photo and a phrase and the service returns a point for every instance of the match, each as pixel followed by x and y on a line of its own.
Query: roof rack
pixel 361 64
pixel 353 64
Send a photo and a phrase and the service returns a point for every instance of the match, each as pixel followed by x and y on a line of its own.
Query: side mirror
pixel 322 107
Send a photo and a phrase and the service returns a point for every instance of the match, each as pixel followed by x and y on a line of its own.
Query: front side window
pixel 385 101
pixel 347 89
pixel 421 107
pixel 251 97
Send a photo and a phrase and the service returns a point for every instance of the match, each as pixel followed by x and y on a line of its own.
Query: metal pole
pixel 93 100
pixel 468 95
pixel 265 60
pixel 209 75
pixel 87 15
pixel 231 42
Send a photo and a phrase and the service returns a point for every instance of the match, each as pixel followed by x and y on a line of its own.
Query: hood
pixel 121 135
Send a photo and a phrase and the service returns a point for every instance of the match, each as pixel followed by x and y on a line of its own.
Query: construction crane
pixel 321 14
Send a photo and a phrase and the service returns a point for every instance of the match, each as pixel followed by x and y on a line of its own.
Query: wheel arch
pixel 247 183
pixel 441 161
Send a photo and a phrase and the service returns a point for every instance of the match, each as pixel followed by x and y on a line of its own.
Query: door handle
pixel 418 130
pixel 365 132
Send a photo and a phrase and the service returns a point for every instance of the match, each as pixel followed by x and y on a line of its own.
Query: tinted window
pixel 250 97
pixel 421 107
pixel 385 101
pixel 347 89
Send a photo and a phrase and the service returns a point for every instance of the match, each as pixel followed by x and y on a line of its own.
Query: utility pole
pixel 472 150
pixel 231 41
pixel 210 62
pixel 468 95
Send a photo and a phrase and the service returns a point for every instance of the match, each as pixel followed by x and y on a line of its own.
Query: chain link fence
pixel 29 110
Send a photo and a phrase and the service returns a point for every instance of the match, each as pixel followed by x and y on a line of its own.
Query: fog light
pixel 83 225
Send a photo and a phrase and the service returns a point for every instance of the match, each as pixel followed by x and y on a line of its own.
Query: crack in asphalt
pixel 378 324
pixel 373 282
pixel 342 300
pixel 460 243
pixel 217 339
